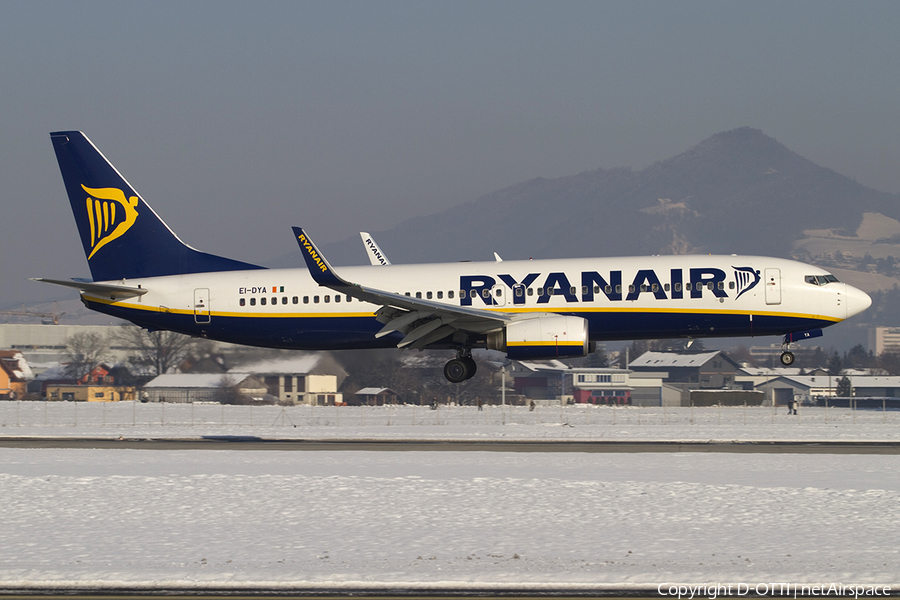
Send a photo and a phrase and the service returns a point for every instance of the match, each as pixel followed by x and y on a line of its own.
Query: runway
pixel 252 443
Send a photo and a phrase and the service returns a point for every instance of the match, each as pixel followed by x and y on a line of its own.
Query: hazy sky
pixel 236 120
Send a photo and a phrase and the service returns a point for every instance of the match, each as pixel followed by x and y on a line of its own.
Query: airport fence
pixel 210 416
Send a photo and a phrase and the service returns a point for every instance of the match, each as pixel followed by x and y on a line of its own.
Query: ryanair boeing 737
pixel 529 309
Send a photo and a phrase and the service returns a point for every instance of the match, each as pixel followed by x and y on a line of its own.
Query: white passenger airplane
pixel 530 309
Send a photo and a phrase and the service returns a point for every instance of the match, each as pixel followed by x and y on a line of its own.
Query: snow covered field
pixel 444 519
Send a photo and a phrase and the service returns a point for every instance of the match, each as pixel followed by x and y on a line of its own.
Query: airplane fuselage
pixel 621 298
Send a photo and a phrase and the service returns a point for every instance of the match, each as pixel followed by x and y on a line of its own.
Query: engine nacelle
pixel 542 337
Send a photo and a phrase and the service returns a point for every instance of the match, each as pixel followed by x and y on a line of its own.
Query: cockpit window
pixel 821 279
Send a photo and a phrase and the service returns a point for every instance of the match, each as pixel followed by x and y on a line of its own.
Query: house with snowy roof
pixel 297 379
pixel 14 375
pixel 811 389
pixel 704 370
pixel 372 396
pixel 312 378
pixel 205 387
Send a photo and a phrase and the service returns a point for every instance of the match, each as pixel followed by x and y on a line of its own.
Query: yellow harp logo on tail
pixel 110 215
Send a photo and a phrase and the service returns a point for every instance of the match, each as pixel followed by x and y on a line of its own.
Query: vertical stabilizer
pixel 123 237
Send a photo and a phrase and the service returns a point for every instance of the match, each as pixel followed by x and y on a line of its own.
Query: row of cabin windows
pixel 519 292
pixel 440 295
pixel 294 300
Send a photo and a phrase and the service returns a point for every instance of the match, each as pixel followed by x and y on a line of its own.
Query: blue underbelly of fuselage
pixel 345 332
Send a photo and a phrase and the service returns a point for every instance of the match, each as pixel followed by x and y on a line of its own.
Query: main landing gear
pixel 460 368
pixel 787 357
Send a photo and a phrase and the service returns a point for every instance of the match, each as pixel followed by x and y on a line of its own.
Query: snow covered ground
pixel 327 520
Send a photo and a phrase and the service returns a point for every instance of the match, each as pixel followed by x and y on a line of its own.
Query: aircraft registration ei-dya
pixel 529 309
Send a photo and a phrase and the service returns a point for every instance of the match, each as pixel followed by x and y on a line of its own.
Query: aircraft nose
pixel 857 301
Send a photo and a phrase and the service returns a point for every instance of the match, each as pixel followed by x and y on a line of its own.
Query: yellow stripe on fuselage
pixel 555 310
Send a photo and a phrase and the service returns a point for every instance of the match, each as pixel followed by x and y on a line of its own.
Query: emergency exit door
pixel 201 305
pixel 773 286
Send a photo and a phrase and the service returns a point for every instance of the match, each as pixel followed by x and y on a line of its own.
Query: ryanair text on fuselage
pixel 680 283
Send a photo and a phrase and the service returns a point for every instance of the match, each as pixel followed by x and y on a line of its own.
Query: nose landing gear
pixel 460 368
pixel 787 357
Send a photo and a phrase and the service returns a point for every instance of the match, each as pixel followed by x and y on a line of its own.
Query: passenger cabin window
pixel 450 294
pixel 440 295
pixel 252 301
pixel 428 295
pixel 262 301
pixel 243 301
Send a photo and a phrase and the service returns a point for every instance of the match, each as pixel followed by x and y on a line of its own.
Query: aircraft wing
pixel 423 321
pixel 113 291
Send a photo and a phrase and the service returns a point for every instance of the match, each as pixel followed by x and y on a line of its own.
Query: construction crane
pixel 46 318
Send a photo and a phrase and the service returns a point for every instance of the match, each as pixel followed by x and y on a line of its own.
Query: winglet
pixel 376 256
pixel 321 272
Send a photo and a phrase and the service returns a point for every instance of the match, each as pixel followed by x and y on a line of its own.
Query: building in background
pixel 705 370
pixel 884 339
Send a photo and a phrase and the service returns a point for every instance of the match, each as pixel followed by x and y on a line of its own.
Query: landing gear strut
pixel 460 368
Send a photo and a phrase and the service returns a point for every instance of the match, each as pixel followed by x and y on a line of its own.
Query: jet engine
pixel 542 337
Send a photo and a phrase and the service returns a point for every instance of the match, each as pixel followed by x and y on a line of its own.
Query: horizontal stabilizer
pixel 112 291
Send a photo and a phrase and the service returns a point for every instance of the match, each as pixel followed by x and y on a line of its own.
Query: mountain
pixel 739 191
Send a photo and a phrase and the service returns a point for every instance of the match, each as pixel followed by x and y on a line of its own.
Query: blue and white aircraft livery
pixel 529 309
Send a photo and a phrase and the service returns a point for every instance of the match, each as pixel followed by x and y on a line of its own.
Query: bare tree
pixel 84 351
pixel 228 392
pixel 160 351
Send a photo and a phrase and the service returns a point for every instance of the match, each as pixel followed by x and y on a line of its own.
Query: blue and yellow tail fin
pixel 123 237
